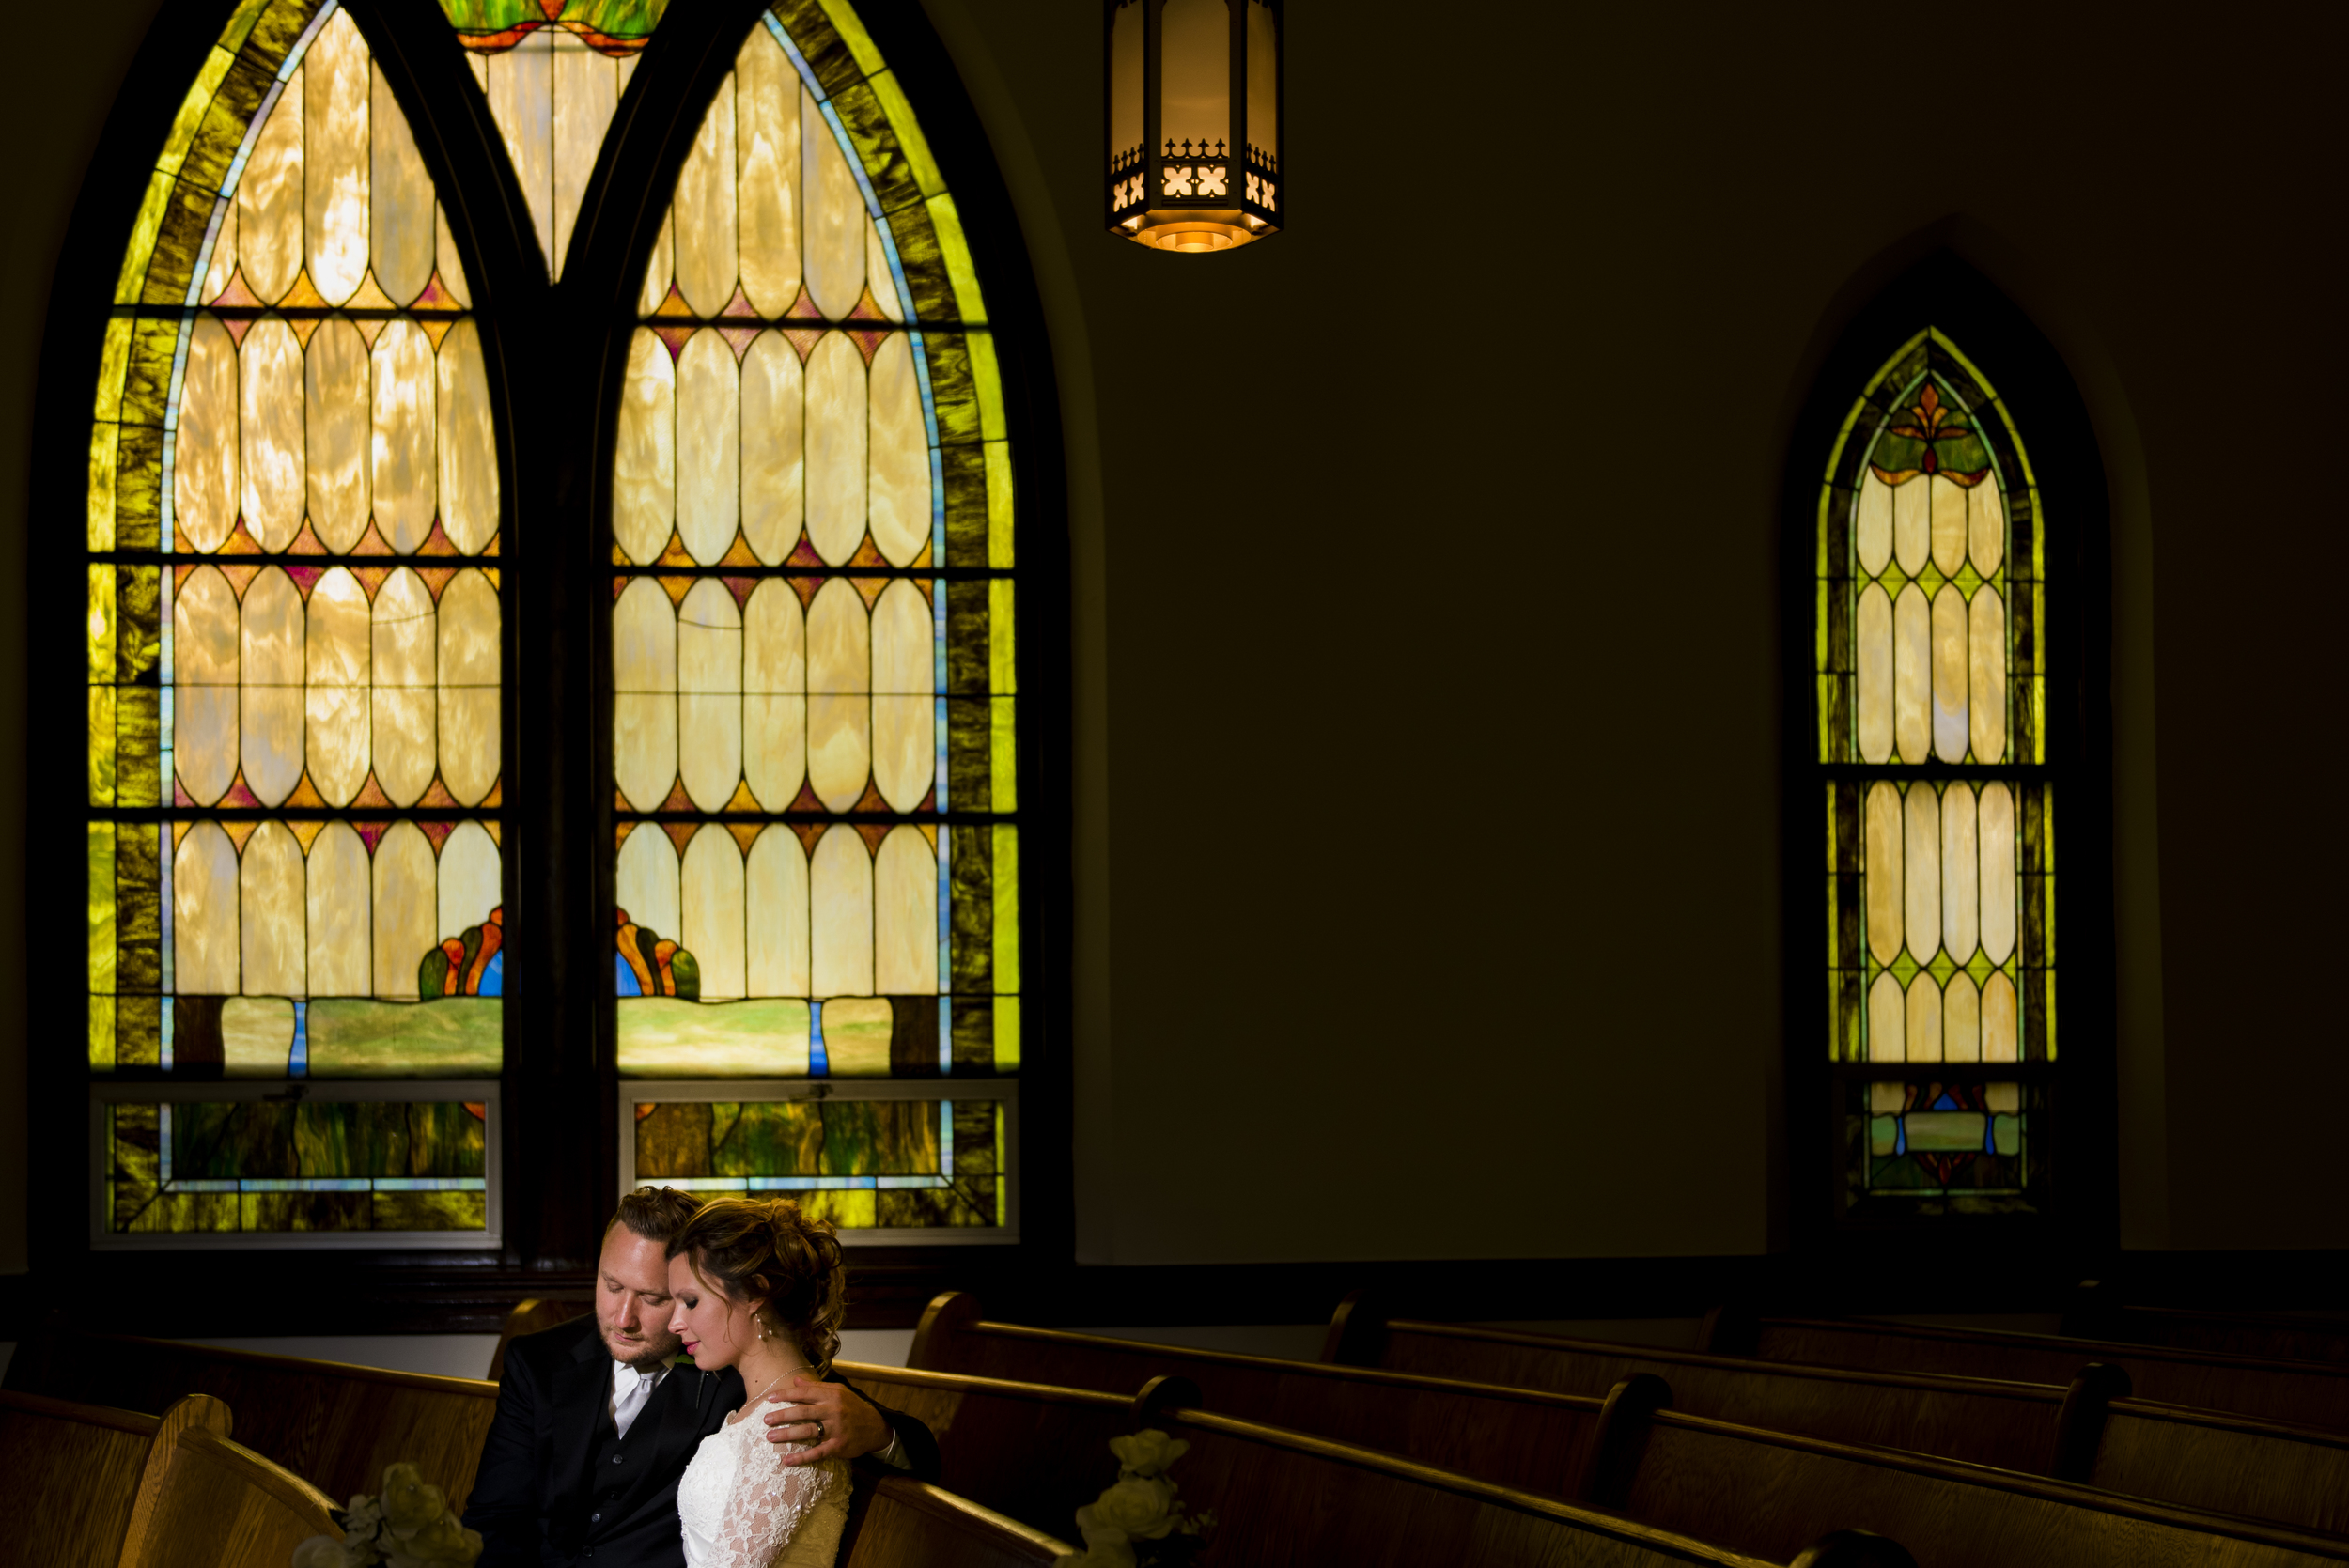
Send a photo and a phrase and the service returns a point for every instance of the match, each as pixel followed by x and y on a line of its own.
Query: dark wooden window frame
pixel 556 358
pixel 2080 1223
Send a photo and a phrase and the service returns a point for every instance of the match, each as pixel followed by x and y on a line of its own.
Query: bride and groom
pixel 606 1452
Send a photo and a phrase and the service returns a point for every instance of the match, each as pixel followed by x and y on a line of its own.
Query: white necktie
pixel 631 1388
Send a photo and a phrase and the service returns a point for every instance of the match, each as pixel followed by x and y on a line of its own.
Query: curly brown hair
pixel 767 1252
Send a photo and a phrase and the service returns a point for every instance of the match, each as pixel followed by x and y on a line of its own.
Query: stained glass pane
pixel 1941 849
pixel 554 76
pixel 295 632
pixel 814 725
pixel 866 1163
pixel 215 1169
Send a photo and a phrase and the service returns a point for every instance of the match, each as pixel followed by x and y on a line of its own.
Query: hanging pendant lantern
pixel 1194 122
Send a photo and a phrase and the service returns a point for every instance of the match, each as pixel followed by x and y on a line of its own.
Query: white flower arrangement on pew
pixel 1136 1522
pixel 408 1525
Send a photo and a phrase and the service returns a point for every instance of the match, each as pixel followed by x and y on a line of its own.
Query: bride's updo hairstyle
pixel 766 1252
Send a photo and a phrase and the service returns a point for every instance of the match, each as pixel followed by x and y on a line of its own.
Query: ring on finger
pixel 819 1425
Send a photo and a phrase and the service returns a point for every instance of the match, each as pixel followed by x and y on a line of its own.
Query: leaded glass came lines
pixel 1939 820
pixel 813 731
pixel 296 625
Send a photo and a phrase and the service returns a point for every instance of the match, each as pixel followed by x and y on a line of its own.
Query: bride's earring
pixel 764 1332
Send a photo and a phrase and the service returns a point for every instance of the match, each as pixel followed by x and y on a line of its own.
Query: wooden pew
pixel 207 1502
pixel 1529 1438
pixel 2093 1430
pixel 1039 1451
pixel 2268 1336
pixel 83 1462
pixel 904 1523
pixel 529 1317
pixel 2303 1393
pixel 2011 1424
pixel 1761 1492
pixel 1560 1443
pixel 337 1424
pixel 103 1488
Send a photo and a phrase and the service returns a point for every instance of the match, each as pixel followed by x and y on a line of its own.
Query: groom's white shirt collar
pixel 631 1390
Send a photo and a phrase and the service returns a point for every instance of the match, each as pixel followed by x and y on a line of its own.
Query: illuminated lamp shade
pixel 1194 122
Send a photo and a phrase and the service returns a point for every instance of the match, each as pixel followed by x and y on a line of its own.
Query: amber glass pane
pixel 296 860
pixel 1940 888
pixel 812 636
pixel 554 76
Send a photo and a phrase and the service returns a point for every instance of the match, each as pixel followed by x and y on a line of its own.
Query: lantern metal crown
pixel 1194 122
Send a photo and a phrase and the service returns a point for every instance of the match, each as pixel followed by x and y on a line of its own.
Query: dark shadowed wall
pixel 1426 620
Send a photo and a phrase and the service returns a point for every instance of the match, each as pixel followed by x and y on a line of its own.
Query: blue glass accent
pixel 1900 1135
pixel 818 1060
pixel 298 1060
pixel 493 974
pixel 626 976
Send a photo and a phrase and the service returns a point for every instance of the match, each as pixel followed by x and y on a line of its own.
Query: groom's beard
pixel 649 1353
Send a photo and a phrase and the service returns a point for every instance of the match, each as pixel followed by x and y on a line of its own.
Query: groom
pixel 595 1425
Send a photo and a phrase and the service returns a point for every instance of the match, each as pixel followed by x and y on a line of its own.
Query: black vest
pixel 615 1463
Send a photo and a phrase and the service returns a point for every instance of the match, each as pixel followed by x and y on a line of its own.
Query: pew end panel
pixel 206 1500
pixel 83 1462
pixel 530 1316
pixel 902 1523
pixel 1357 1331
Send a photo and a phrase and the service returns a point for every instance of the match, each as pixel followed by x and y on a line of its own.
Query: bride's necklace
pixel 752 1404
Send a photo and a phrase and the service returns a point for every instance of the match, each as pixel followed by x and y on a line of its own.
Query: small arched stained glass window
pixel 1939 825
pixel 296 863
pixel 813 733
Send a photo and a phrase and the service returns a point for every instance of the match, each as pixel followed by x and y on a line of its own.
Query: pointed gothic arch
pixel 542 362
pixel 1946 552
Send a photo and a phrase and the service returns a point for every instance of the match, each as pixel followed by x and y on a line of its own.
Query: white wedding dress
pixel 742 1507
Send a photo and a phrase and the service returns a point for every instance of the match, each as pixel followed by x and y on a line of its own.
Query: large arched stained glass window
pixel 1940 827
pixel 295 634
pixel 816 959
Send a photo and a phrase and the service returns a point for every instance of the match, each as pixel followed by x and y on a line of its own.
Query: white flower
pixel 1141 1506
pixel 1148 1452
pixel 320 1551
pixel 1105 1547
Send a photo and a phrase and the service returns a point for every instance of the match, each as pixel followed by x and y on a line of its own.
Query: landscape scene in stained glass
pixel 317 1164
pixel 861 1163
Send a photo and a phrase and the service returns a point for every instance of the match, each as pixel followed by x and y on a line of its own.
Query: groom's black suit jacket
pixel 543 1496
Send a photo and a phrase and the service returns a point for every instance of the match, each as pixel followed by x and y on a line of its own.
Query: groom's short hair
pixel 654 1213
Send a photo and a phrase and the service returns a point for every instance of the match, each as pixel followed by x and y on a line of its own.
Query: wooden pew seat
pixel 337 1424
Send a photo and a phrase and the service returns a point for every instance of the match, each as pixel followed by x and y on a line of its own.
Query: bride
pixel 758 1286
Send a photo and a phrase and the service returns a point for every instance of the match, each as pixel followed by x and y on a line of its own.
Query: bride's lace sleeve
pixel 770 1502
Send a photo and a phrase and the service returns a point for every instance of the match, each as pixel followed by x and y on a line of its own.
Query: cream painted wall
pixel 1426 622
